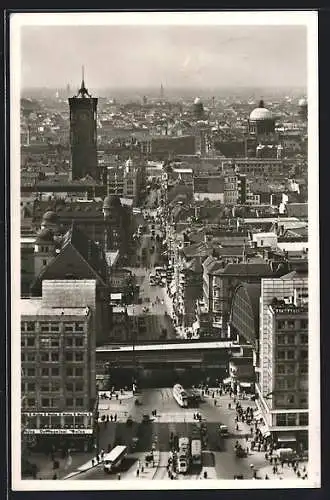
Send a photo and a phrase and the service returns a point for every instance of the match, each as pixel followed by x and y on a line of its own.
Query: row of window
pixel 290 399
pixel 56 422
pixel 52 342
pixel 31 326
pixel 291 338
pixel 290 354
pixel 53 403
pixel 52 386
pixel 291 369
pixel 290 383
pixel 54 372
pixel 293 419
pixel 292 324
pixel 53 357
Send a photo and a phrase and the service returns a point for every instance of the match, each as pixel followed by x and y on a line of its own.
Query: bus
pixel 180 396
pixel 114 458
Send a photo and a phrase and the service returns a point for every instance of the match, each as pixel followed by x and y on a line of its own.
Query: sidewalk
pixel 286 472
pixel 45 464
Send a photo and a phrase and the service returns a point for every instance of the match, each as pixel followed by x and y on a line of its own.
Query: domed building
pixel 44 249
pixel 261 121
pixel 198 108
pixel 49 220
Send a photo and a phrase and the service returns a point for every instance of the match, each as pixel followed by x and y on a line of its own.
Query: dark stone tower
pixel 83 139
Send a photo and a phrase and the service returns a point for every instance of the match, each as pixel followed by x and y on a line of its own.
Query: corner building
pixel 58 384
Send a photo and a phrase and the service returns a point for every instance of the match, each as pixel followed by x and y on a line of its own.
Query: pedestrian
pixel 118 476
pixel 137 473
pixel 142 469
pixel 98 458
pixel 111 417
pixel 266 456
pixel 93 462
pixel 229 406
pixel 274 469
pixel 237 428
pixel 215 402
pixel 115 419
pixel 55 476
pixel 266 476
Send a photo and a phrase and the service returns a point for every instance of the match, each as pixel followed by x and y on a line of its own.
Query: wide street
pixel 171 418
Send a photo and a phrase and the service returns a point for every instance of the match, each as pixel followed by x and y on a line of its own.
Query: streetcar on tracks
pixel 180 396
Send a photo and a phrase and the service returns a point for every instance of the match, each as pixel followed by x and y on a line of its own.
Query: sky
pixel 121 56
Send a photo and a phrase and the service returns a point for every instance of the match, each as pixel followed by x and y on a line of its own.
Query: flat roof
pixel 34 307
pixel 168 347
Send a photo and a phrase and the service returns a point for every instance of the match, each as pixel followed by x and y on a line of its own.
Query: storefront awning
pixel 286 438
pixel 226 380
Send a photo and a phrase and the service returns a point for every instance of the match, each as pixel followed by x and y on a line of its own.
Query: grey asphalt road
pixel 176 420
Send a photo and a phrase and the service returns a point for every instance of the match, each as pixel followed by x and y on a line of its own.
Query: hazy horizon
pixel 190 57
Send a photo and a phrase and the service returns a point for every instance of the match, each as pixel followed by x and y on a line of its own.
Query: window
pixel 303 399
pixel 79 327
pixel 281 325
pixel 31 387
pixel 281 354
pixel 304 354
pixel 69 386
pixel 45 372
pixel 79 386
pixel 45 402
pixel 290 399
pixel 290 354
pixel 69 341
pixel 30 342
pixel 304 338
pixel 292 419
pixel 290 369
pixel 69 356
pixel 79 402
pixel 45 387
pixel 55 343
pixel 79 372
pixel 281 339
pixel 280 369
pixel 54 327
pixel 304 324
pixel 303 369
pixel 79 342
pixel 69 372
pixel 290 339
pixel 31 402
pixel 290 384
pixel 79 356
pixel 44 356
pixel 22 356
pixel 55 372
pixel 68 327
pixel 31 372
pixel 69 402
pixel 291 324
pixel 280 383
pixel 303 419
pixel 54 356
pixel 281 419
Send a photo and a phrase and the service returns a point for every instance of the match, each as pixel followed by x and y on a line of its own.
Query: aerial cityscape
pixel 164 273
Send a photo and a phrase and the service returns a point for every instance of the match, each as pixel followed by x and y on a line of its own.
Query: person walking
pixel 118 476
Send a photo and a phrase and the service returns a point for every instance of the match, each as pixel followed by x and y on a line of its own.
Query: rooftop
pixel 34 307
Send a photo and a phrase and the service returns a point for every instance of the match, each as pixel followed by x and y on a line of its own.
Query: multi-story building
pixel 58 367
pixel 282 367
pixel 126 181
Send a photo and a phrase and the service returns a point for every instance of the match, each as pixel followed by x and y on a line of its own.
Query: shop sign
pixel 58 431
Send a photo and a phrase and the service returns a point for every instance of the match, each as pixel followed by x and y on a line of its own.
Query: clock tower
pixel 83 139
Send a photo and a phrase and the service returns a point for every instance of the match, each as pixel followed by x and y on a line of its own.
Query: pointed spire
pixel 83 92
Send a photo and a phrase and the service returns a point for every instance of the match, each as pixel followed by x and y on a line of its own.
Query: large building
pixel 58 384
pixel 83 135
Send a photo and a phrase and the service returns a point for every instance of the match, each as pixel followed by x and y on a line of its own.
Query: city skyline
pixel 191 56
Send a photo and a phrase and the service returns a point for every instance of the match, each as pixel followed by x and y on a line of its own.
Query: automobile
pixel 145 418
pixel 129 421
pixel 223 430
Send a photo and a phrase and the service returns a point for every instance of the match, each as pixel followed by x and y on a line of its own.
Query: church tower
pixel 83 138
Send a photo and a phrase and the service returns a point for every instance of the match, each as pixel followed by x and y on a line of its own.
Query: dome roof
pixel 261 114
pixel 112 201
pixel 302 102
pixel 50 216
pixel 45 235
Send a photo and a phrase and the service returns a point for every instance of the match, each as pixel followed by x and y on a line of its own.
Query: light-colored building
pixel 58 366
